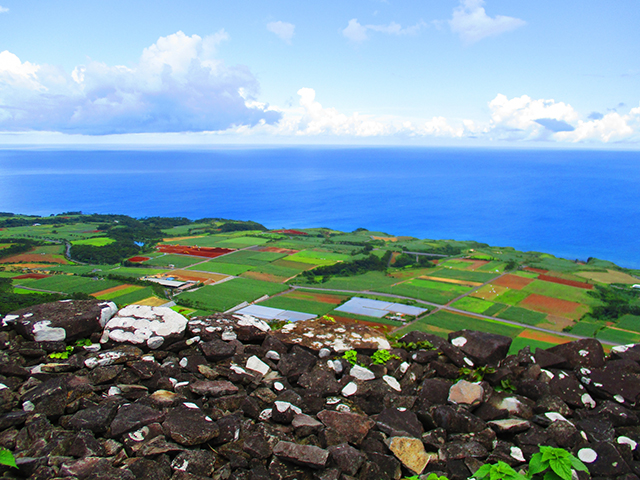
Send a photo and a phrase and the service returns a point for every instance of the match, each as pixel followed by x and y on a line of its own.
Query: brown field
pixel 378 326
pixel 37 276
pixel 610 276
pixel 287 251
pixel 265 277
pixel 452 280
pixel 489 292
pixel 152 302
pixel 35 257
pixel 412 273
pixel 318 297
pixel 512 281
pixel 473 264
pixel 177 239
pixel 564 281
pixel 204 277
pixel 139 259
pixel 556 322
pixel 536 270
pixel 386 239
pixel 21 266
pixel 542 337
pixel 554 306
pixel 111 290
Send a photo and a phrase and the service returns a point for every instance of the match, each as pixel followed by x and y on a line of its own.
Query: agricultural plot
pixel 24 291
pixel 495 266
pixel 225 295
pixel 118 292
pixel 42 254
pixel 152 301
pixel 511 297
pixel 587 328
pixel 297 266
pixel 191 275
pixel 488 292
pixel 522 315
pixel 80 269
pixel 609 276
pixel 133 297
pixel 535 339
pixel 183 230
pixel 94 241
pixel 480 277
pixel 272 269
pixel 178 261
pixel 442 322
pixel 473 305
pixel 616 335
pixel 246 257
pixel 134 272
pixel 241 242
pixel 427 290
pixel 221 267
pixel 314 257
pixel 516 282
pixel 287 302
pixel 376 281
pixel 629 322
pixel 554 306
pixel 197 240
pixel 495 309
pixel 265 277
pixel 564 292
pixel 70 284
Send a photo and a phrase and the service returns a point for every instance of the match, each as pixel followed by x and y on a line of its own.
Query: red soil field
pixel 474 263
pixel 542 337
pixel 562 281
pixel 208 252
pixel 139 259
pixel 290 232
pixel 535 270
pixel 378 326
pixel 318 297
pixel 34 258
pixel 111 290
pixel 265 277
pixel 554 306
pixel 286 251
pixel 91 231
pixel 37 276
pixel 512 281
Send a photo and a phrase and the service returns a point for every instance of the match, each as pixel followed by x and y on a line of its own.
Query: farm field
pixel 94 241
pixel 480 277
pixel 133 296
pixel 471 304
pixel 609 276
pixel 298 304
pixel 241 242
pixel 135 272
pixel 427 290
pixel 266 277
pixel 223 296
pixel 317 258
pixel 178 261
pixel 190 275
pixel 42 254
pixel 564 292
pixel 247 257
pixel 68 284
pixel 119 292
pixel 221 267
pixel 376 281
pixel 535 339
pixel 523 315
pixel 515 282
pixel 442 322
pixel 488 292
pixel 629 322
pixel 554 306
pixel 617 335
pixel 273 269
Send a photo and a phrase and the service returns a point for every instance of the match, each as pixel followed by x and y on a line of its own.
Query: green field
pixel 247 257
pixel 522 315
pixel 272 269
pixel 223 296
pixel 80 269
pixel 417 289
pixel 241 242
pixel 377 281
pixel 200 241
pixel 613 335
pixel 69 284
pixel 133 297
pixel 564 292
pixel 450 322
pixel 120 293
pixel 586 329
pixel 519 343
pixel 134 272
pixel 474 305
pixel 306 306
pixel 24 291
pixel 494 309
pixel 317 258
pixel 492 267
pixel 220 267
pixel 95 241
pixel 512 297
pixel 629 322
pixel 471 276
pixel 178 261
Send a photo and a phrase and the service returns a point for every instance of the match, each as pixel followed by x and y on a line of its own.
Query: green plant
pixel 380 357
pixel 434 476
pixel 475 374
pixel 499 471
pixel 62 355
pixel 328 317
pixel 6 458
pixel 555 463
pixel 422 345
pixel 505 386
pixel 83 342
pixel 351 356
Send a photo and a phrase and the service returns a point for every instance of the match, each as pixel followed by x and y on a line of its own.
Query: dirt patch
pixel 513 281
pixel 152 302
pixel 207 252
pixel 287 251
pixel 466 283
pixel 35 257
pixel 111 290
pixel 265 277
pixel 139 259
pixel 554 306
pixel 290 232
pixel 177 239
pixel 186 275
pixel 474 264
pixel 563 281
pixel 556 322
pixel 542 337
pixel 37 276
pixel 378 326
pixel 318 297
pixel 535 270
pixel 489 292
pixel 610 276
pixel 386 239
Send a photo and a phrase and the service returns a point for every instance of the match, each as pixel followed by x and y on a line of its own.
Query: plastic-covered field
pixel 377 308
pixel 268 313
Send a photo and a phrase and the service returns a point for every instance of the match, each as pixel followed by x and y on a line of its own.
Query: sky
pixel 362 72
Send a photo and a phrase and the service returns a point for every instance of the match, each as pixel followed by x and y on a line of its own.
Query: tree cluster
pixel 348 269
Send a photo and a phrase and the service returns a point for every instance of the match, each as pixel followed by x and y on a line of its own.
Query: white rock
pixel 547 373
pixel 278 386
pixel 249 321
pixel 588 401
pixel 587 455
pixel 3 386
pixel 583 353
pixel 284 406
pixel 618 398
pixel 184 361
pixel 517 454
pixel 192 340
pixel 628 441
pixel 237 369
pixel 324 353
pixel 139 435
pixel 266 414
pixel 468 361
pixel 404 366
pixel 193 406
pixel 93 348
pixel 459 341
pixel 585 371
pixel 349 389
pixel 273 355
pixel 257 365
pixel 42 332
pixel 556 417
pixel 621 348
pixel 228 335
pixel 155 342
pixel 109 309
pixel 337 366
pixel 113 391
pixel 361 373
pixel 392 382
pixel 181 384
pixel 28 406
pixel 343 408
pixel 332 400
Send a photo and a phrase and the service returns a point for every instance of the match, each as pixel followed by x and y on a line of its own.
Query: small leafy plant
pixel 6 458
pixel 505 386
pixel 351 356
pixel 410 346
pixel 62 355
pixel 498 471
pixel 475 374
pixel 555 463
pixel 328 317
pixel 380 357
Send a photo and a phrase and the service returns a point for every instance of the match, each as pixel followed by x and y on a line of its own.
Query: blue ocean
pixel 574 204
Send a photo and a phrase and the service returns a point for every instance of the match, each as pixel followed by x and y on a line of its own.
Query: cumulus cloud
pixel 283 30
pixel 358 33
pixel 471 22
pixel 3 9
pixel 177 86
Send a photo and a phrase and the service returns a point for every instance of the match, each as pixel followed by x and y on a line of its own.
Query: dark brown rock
pixel 483 348
pixel 187 425
pixel 306 455
pixel 351 426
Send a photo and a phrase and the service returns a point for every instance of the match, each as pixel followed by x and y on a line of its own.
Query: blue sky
pixel 203 72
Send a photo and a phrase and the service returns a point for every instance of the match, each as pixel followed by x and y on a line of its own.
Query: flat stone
pixel 466 393
pixel 187 425
pixel 213 388
pixel 257 365
pixel 399 423
pixel 483 348
pixel 351 426
pixel 306 455
pixel 410 451
pixel 137 324
pixel 133 416
pixel 361 373
pixel 509 425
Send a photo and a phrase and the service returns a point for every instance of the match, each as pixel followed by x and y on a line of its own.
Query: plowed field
pixel 31 275
pixel 473 264
pixel 542 337
pixel 536 270
pixel 139 259
pixel 554 306
pixel 562 281
pixel 512 281
pixel 286 251
pixel 35 257
pixel 319 297
pixel 265 277
pixel 452 280
pixel 378 326
pixel 111 290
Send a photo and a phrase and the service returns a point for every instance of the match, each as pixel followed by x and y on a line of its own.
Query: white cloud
pixel 472 23
pixel 358 33
pixel 177 86
pixel 3 9
pixel 283 30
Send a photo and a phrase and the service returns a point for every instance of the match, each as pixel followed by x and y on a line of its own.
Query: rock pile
pixel 223 397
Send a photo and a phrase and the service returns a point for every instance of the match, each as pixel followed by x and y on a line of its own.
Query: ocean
pixel 574 204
